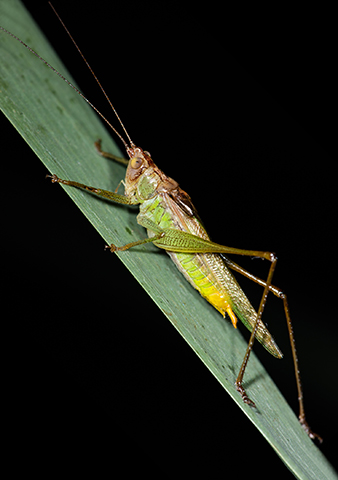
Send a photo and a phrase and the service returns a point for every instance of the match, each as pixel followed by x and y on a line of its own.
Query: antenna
pixel 96 79
pixel 76 89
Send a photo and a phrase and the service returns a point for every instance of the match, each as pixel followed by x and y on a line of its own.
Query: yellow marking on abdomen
pixel 218 301
pixel 202 279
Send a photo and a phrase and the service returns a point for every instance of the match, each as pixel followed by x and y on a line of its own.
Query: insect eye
pixel 136 162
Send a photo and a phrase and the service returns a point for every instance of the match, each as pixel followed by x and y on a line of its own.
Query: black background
pixel 239 107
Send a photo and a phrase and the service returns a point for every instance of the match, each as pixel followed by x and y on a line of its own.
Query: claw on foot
pixel 54 178
pixel 308 430
pixel 111 247
pixel 245 398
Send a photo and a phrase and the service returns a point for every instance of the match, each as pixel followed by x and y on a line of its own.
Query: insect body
pixel 172 223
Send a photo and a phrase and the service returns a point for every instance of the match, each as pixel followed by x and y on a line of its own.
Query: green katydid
pixel 172 224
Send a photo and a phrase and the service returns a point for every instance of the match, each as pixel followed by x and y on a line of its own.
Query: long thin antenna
pixel 70 84
pixel 93 73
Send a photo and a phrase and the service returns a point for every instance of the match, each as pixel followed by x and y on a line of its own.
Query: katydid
pixel 172 224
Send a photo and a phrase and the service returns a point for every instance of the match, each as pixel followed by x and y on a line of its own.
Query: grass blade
pixel 60 128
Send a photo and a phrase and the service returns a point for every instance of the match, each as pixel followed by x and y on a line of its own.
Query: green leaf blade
pixel 61 128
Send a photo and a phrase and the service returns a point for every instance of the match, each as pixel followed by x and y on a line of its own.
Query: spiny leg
pixel 234 266
pixel 115 197
pixel 239 379
pixel 301 415
pixel 97 144
pixel 114 248
pixel 280 294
